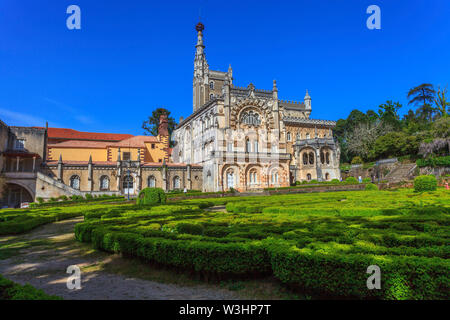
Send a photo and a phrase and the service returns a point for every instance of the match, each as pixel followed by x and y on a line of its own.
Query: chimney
pixel 163 128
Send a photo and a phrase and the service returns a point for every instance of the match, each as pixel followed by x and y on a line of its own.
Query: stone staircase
pixel 401 172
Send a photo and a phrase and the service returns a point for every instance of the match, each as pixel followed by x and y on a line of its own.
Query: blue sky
pixel 133 56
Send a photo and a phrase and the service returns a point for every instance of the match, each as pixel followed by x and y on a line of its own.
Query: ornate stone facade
pixel 246 138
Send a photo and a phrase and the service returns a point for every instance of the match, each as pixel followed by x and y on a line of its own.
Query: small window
pixel 126 156
pixel 308 177
pixel 288 136
pixel 104 183
pixel 176 182
pixel 159 160
pixel 307 136
pixel 211 96
pixel 298 136
pixel 19 144
pixel 255 146
pixel 211 85
pixel 230 147
pixel 75 182
pixel 151 182
pixel 153 146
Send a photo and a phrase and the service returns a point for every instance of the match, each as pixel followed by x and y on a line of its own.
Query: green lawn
pixel 320 242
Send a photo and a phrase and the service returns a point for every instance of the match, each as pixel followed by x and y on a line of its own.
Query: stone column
pixel 34 164
pixel 60 168
pixel 318 166
pixel 164 176
pixel 189 180
pixel 17 163
pixel 90 180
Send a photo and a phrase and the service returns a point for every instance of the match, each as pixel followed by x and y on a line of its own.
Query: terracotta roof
pixel 80 144
pixel 135 142
pixel 70 134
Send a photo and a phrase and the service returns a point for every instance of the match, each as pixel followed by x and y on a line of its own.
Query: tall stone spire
pixel 201 70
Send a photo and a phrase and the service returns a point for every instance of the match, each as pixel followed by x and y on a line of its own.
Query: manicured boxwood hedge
pixel 425 183
pixel 10 290
pixel 321 243
pixel 151 196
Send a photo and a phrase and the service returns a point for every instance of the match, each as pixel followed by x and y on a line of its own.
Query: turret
pixel 307 101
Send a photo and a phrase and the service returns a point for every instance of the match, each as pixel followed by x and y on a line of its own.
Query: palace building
pixel 246 138
pixel 236 137
pixel 50 162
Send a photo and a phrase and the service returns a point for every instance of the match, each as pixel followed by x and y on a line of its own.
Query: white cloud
pixel 13 118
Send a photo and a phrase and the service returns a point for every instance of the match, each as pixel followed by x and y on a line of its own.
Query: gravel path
pixel 44 266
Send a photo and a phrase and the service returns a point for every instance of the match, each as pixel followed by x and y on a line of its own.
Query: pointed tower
pixel 307 101
pixel 201 69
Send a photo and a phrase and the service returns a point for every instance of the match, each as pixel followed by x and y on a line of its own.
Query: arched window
pixel 298 136
pixel 75 182
pixel 104 183
pixel 151 182
pixel 327 176
pixel 211 96
pixel 253 177
pixel 322 157
pixel 127 182
pixel 248 145
pixel 211 85
pixel 308 177
pixel 327 157
pixel 255 144
pixel 311 158
pixel 274 177
pixel 176 182
pixel 288 136
pixel 305 158
pixel 230 179
pixel 307 136
pixel 251 118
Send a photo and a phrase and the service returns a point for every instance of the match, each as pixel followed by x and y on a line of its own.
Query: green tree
pixel 441 102
pixel 389 113
pixel 422 96
pixel 395 144
pixel 150 125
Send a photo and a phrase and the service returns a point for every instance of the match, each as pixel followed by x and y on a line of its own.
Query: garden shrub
pixel 351 180
pixel 425 183
pixel 40 200
pixel 357 160
pixel 151 196
pixel 335 181
pixel 10 290
pixel 371 187
pixel 89 196
pixel 189 228
pixel 367 180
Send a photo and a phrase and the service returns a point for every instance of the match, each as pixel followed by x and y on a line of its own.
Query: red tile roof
pixel 135 142
pixel 70 134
